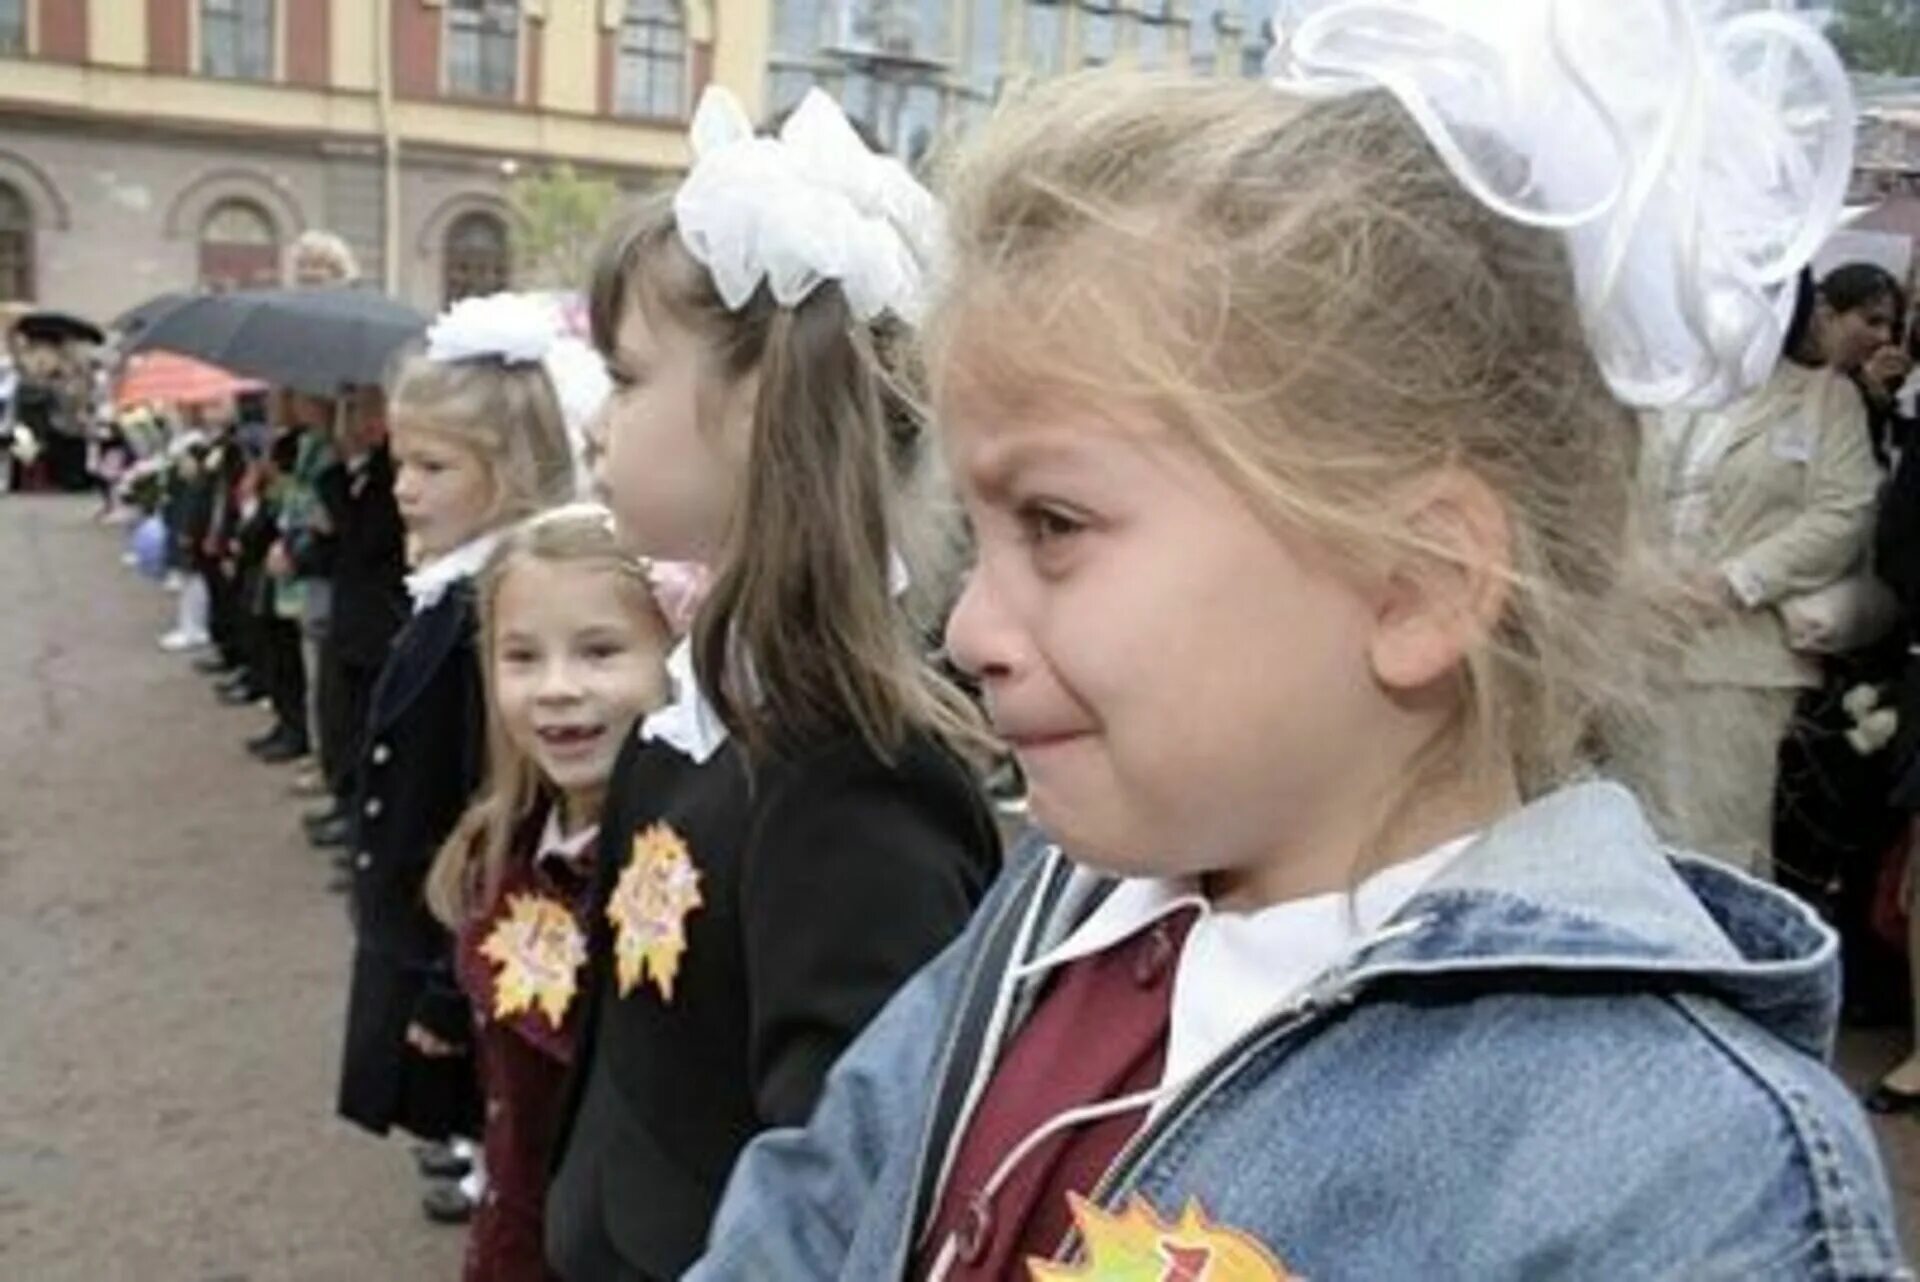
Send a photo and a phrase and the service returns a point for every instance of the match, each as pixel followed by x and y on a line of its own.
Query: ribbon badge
pixel 1138 1246
pixel 538 948
pixel 649 908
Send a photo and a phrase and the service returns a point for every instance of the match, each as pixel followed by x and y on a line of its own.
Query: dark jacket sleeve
pixel 852 882
pixel 1896 536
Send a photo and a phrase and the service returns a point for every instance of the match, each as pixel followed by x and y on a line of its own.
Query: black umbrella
pixel 57 327
pixel 135 319
pixel 312 340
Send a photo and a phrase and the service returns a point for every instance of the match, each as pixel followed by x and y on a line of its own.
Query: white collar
pixel 1236 968
pixel 564 847
pixel 430 582
pixel 689 722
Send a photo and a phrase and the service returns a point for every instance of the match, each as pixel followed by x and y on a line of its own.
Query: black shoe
pixel 240 676
pixel 1886 1100
pixel 440 1162
pixel 336 809
pixel 240 696
pixel 261 742
pixel 446 1204
pixel 214 665
pixel 340 883
pixel 281 751
pixel 331 836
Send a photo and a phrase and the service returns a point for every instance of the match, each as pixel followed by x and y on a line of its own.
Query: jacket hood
pixel 1577 883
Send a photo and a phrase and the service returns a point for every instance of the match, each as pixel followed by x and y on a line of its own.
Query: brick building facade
pixel 148 145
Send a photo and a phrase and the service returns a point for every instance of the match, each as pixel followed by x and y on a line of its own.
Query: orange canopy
pixel 165 376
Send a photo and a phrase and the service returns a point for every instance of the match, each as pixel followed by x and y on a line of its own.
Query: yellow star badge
pixel 538 948
pixel 1138 1246
pixel 649 908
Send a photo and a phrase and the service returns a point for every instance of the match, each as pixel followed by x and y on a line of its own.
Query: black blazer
pixel 827 879
pixel 369 559
pixel 422 760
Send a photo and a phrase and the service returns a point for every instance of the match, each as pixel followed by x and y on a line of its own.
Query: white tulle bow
pixel 809 206
pixel 527 329
pixel 1695 153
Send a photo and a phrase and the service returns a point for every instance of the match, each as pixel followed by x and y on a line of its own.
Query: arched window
pixel 483 48
pixel 239 247
pixel 653 61
pixel 16 246
pixel 476 259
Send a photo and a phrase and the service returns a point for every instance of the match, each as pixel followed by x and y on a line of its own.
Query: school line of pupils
pixel 1301 607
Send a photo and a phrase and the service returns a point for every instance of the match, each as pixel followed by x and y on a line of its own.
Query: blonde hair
pixel 465 878
pixel 837 483
pixel 1304 292
pixel 321 258
pixel 507 414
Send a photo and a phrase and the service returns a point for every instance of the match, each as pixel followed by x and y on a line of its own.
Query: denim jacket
pixel 1575 1055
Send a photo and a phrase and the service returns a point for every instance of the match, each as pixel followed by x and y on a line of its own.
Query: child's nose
pixel 981 639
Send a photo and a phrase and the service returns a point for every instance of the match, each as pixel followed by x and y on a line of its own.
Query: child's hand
pixel 427 1044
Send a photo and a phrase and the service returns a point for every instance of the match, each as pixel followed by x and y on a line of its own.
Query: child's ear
pixel 1450 589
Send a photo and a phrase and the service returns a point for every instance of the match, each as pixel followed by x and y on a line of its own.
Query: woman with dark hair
pixel 1859 312
pixel 1755 507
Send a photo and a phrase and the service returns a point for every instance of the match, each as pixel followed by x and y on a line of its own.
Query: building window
pixel 1097 34
pixel 239 247
pixel 1046 37
pixel 16 246
pixel 476 258
pixel 236 39
pixel 13 27
pixel 483 48
pixel 653 60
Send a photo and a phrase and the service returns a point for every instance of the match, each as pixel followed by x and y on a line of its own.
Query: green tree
pixel 562 215
pixel 1878 36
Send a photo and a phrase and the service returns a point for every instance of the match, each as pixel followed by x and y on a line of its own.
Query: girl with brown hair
pixel 798 831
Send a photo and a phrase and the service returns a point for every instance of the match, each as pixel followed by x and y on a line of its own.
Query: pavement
pixel 172 969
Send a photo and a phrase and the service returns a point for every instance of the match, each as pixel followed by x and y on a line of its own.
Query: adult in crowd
pixel 1752 506
pixel 1833 820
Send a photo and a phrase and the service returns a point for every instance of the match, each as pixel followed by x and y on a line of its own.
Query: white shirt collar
pixel 565 847
pixel 689 722
pixel 430 582
pixel 1237 968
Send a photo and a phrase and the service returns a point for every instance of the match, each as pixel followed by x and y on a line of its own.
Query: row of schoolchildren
pixel 292 560
pixel 1298 597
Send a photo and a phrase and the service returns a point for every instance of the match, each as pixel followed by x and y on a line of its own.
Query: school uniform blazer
pixel 826 879
pixel 369 559
pixel 420 765
pixel 1790 512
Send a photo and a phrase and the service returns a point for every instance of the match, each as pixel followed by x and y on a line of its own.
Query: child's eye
pixel 600 651
pixel 517 658
pixel 1044 523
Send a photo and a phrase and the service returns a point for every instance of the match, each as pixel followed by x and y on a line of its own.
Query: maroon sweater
pixel 1098 1033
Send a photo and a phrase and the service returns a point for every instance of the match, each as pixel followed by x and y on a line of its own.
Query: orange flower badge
pixel 1138 1246
pixel 649 908
pixel 538 948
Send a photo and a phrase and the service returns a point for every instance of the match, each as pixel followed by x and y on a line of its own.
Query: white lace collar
pixel 430 582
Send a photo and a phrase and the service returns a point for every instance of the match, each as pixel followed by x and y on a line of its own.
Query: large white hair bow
pixel 527 329
pixel 811 205
pixel 1695 153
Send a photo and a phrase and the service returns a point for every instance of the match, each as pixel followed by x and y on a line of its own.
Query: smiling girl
pixel 574 649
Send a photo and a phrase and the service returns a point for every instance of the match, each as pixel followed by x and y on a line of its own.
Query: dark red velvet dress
pixel 523 1060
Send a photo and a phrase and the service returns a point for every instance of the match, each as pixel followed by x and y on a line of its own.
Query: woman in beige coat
pixel 1768 499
